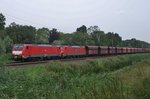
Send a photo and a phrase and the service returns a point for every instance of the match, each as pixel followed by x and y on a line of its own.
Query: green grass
pixel 137 79
pixel 118 77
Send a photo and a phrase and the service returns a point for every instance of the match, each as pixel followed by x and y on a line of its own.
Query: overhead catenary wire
pixel 23 20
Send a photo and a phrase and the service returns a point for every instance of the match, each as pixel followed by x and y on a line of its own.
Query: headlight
pixel 17 52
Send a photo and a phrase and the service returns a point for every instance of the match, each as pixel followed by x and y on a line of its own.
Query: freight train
pixel 41 51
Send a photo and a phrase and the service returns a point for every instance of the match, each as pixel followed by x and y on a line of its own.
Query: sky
pixel 128 18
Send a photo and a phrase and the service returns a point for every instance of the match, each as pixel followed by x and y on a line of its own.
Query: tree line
pixel 20 34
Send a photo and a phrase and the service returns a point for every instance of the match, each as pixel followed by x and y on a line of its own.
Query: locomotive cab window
pixel 18 47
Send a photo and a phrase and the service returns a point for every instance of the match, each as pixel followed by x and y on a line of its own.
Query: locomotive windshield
pixel 18 47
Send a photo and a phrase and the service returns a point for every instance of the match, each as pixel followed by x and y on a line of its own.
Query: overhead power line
pixel 22 20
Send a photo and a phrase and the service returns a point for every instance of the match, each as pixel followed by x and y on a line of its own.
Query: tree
pixel 21 34
pixel 135 43
pixel 3 34
pixel 98 37
pixel 8 44
pixel 79 38
pixel 13 32
pixel 113 39
pixel 82 29
pixel 42 35
pixel 58 42
pixel 92 29
pixel 117 39
pixel 2 21
pixel 2 47
pixel 53 35
pixel 66 38
pixel 96 34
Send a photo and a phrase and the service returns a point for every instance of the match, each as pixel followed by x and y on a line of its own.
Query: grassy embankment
pixel 121 77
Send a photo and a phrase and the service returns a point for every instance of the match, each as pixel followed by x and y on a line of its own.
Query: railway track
pixel 40 62
pixel 25 63
pixel 15 64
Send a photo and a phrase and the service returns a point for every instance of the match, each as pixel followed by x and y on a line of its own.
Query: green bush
pixel 2 47
pixel 5 58
pixel 8 44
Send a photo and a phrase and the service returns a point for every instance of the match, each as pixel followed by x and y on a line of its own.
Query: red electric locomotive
pixel 26 51
pixel 73 51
